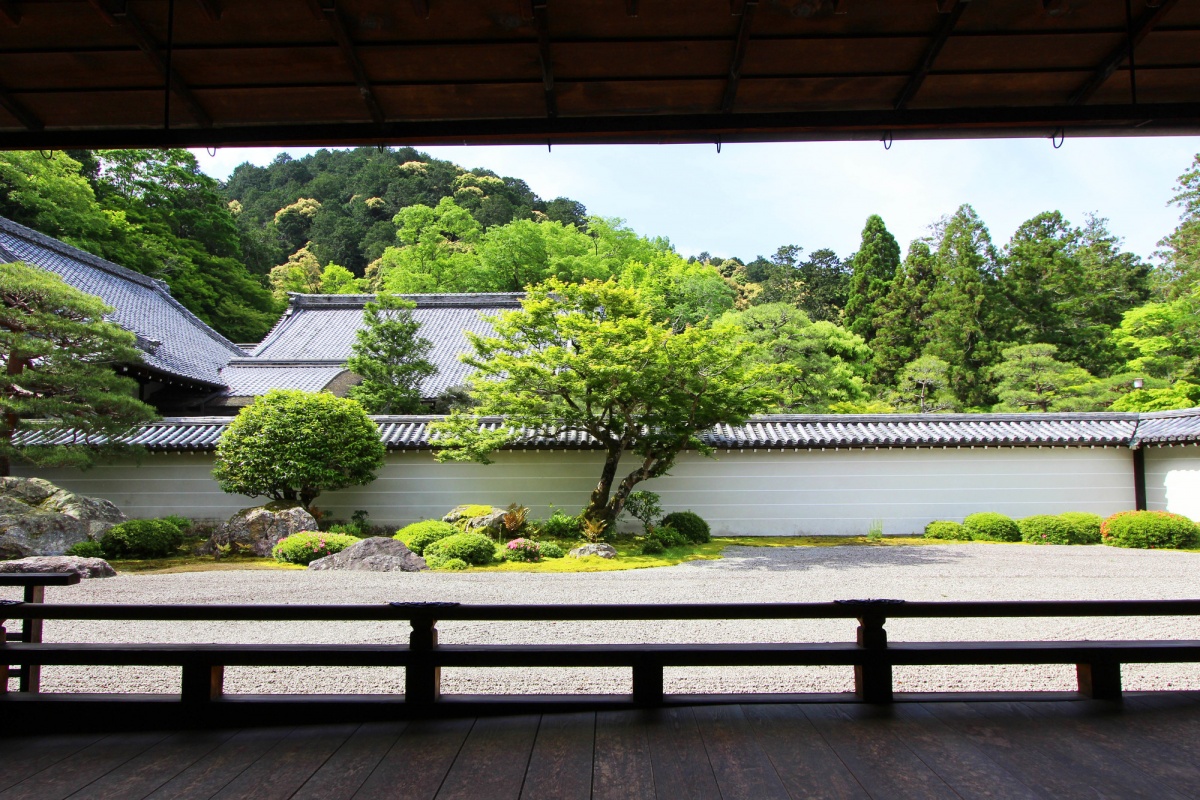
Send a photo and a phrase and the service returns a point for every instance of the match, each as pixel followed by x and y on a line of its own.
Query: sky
pixel 750 199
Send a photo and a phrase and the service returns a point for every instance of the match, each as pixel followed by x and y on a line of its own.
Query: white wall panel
pixel 1173 480
pixel 744 492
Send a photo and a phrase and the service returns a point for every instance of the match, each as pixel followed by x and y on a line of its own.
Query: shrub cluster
pixel 420 535
pixel 668 536
pixel 561 526
pixel 946 529
pixel 1149 529
pixel 86 549
pixel 473 548
pixel 523 550
pixel 307 546
pixel 142 538
pixel 1046 529
pixel 992 527
pixel 551 550
pixel 1085 527
pixel 691 525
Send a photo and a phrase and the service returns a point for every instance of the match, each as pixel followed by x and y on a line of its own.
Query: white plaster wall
pixel 744 492
pixel 1173 480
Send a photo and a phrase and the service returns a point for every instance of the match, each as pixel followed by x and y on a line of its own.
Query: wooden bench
pixel 29 677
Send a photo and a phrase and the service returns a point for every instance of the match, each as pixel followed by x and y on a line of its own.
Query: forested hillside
pixel 1058 317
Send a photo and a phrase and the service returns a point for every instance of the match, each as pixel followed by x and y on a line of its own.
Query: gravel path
pixel 746 574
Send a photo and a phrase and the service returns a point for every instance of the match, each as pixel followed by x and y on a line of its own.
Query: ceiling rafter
pixel 541 21
pixel 631 8
pixel 145 42
pixel 1142 27
pixel 211 8
pixel 421 8
pixel 745 10
pixel 18 110
pixel 10 12
pixel 328 11
pixel 950 11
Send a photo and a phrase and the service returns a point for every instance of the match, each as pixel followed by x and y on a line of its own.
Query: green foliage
pixel 1149 529
pixel 589 359
pixel 946 529
pixel 644 507
pixel 924 386
pixel 690 524
pixel 652 546
pixel 59 356
pixel 291 445
pixel 86 549
pixel 523 550
pixel 473 548
pixel 1085 527
pixel 141 538
pixel 875 531
pixel 1047 529
pixel 900 330
pixel 561 526
pixel 1162 340
pixel 390 357
pixel 307 546
pixel 183 523
pixel 420 535
pixel 1182 394
pixel 873 269
pixel 452 565
pixel 1178 273
pixel 551 550
pixel 1031 379
pixel 668 537
pixel 990 526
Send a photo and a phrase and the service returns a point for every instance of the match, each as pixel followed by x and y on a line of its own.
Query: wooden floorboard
pixel 1146 747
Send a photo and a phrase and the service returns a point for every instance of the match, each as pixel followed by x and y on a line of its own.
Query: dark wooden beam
pixel 542 23
pixel 10 12
pixel 421 8
pixel 211 9
pixel 124 19
pixel 631 7
pixel 744 9
pixel 337 26
pixel 23 114
pixel 1141 29
pixel 950 11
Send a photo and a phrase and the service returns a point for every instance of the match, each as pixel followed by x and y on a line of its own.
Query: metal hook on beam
pixel 887 140
pixel 1060 135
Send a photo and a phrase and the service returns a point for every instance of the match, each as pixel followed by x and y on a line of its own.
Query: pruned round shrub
pixel 141 538
pixel 1085 527
pixel 652 547
pixel 561 526
pixel 86 549
pixel 183 523
pixel 523 550
pixel 307 546
pixel 551 550
pixel 452 564
pixel 946 529
pixel 420 535
pixel 348 529
pixel 1046 529
pixel 1149 529
pixel 668 536
pixel 690 524
pixel 992 527
pixel 473 548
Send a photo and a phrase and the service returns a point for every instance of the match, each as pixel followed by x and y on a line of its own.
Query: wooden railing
pixel 871 655
pixel 29 677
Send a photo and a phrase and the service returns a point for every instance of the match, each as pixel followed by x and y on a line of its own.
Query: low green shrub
pixel 473 548
pixel 347 529
pixel 552 550
pixel 991 527
pixel 946 529
pixel 1085 527
pixel 183 523
pixel 1149 529
pixel 452 564
pixel 560 526
pixel 652 547
pixel 523 550
pixel 668 536
pixel 690 524
pixel 644 507
pixel 142 538
pixel 1046 529
pixel 307 546
pixel 86 549
pixel 420 535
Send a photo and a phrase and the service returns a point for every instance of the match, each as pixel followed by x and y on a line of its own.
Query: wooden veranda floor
pixel 1147 747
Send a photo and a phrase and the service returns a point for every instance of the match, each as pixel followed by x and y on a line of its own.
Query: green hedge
pixel 560 526
pixel 551 550
pixel 420 535
pixel 307 546
pixel 667 536
pixel 473 548
pixel 946 529
pixel 690 524
pixel 1046 529
pixel 86 549
pixel 1149 530
pixel 991 527
pixel 142 538
pixel 1085 527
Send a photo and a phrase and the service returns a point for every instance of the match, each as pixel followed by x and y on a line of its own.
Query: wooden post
pixel 647 682
pixel 3 663
pixel 1100 680
pixel 873 681
pixel 422 677
pixel 31 632
pixel 202 682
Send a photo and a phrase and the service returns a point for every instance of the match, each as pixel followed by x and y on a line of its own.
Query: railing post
pixel 3 643
pixel 31 632
pixel 872 679
pixel 1100 680
pixel 647 681
pixel 422 676
pixel 202 682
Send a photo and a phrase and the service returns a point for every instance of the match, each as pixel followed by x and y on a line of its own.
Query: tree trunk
pixel 617 504
pixel 598 504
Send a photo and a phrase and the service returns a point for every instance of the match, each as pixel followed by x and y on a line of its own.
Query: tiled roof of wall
pixel 785 431
pixel 173 340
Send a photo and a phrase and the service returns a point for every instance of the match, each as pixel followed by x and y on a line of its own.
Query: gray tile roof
pixel 248 378
pixel 780 431
pixel 174 340
pixel 323 328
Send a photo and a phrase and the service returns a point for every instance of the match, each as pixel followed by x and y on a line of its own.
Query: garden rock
pixel 86 567
pixel 601 550
pixel 259 529
pixel 38 518
pixel 377 554
pixel 489 524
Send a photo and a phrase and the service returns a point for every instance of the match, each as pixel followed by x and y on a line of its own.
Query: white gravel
pixel 746 574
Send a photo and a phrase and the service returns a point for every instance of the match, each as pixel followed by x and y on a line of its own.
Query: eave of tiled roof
pixel 775 432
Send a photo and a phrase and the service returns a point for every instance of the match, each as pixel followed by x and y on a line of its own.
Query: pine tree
pixel 390 357
pixel 924 386
pixel 900 333
pixel 873 268
pixel 1032 379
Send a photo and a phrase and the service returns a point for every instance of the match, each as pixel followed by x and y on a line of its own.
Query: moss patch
pixel 165 566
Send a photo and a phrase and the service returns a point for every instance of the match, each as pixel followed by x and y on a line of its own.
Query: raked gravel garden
pixel 951 571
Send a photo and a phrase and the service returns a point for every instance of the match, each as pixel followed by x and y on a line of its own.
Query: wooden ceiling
pixel 95 73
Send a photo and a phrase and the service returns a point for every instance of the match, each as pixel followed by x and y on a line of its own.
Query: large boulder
pixel 601 550
pixel 377 554
pixel 469 518
pixel 259 529
pixel 86 567
pixel 38 518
